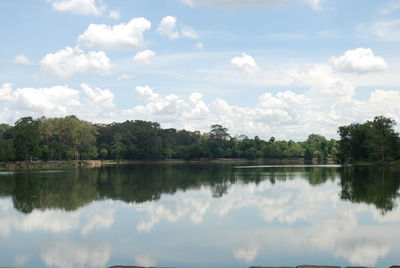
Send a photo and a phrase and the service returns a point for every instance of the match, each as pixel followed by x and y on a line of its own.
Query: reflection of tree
pixel 67 190
pixel 314 175
pixel 374 185
pixel 74 188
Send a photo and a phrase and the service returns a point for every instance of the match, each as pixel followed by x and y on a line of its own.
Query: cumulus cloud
pixel 69 61
pixel 191 113
pixel 169 28
pixel 22 59
pixel 144 57
pixel 129 35
pixel 88 103
pixel 328 104
pixel 315 4
pixel 245 63
pixel 323 81
pixel 360 60
pixel 81 7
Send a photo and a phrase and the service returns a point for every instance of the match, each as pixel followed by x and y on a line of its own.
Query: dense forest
pixel 70 138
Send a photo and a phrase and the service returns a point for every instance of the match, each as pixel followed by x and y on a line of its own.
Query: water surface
pixel 200 215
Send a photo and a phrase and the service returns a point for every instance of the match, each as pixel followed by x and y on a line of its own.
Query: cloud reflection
pixel 171 208
pixel 98 215
pixel 64 254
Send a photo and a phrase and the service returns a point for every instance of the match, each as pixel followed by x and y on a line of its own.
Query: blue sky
pixel 282 68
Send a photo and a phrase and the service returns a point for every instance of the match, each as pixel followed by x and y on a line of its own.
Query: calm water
pixel 200 216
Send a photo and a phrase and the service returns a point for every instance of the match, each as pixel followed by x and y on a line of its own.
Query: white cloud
pixel 325 82
pixel 49 220
pixel 327 104
pixel 98 220
pixel 66 62
pixel 89 104
pixel 245 63
pixel 125 76
pixel 385 30
pixel 145 259
pixel 114 14
pixel 199 45
pixel 64 254
pixel 128 35
pixel 168 27
pixel 287 36
pixel 189 32
pixel 325 101
pixel 246 254
pixel 96 216
pixel 22 59
pixel 82 7
pixel 362 252
pixel 144 57
pixel 6 92
pixel 315 4
pixel 192 204
pixel 390 7
pixel 360 60
pixel 169 108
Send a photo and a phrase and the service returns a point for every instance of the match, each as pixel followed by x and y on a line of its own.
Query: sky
pixel 282 68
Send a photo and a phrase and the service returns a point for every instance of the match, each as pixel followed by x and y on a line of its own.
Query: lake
pixel 200 215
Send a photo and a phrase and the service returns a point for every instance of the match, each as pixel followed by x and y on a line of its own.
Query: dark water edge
pixel 43 165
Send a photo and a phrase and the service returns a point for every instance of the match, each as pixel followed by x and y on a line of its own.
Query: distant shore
pixel 38 165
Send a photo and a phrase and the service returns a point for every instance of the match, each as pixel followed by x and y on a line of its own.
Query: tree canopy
pixel 70 138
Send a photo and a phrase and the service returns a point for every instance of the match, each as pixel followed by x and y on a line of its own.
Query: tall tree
pixel 381 139
pixel 26 138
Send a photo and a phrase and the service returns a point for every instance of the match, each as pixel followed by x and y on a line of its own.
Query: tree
pixel 6 150
pixel 26 138
pixel 117 148
pixel 382 140
pixel 372 140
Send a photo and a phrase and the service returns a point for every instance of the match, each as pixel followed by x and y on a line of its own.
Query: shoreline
pixel 43 165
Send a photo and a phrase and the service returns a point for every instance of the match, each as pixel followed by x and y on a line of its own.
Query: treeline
pixel 70 138
pixel 374 140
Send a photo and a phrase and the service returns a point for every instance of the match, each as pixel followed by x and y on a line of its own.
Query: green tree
pixel 117 147
pixel 26 137
pixel 382 140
